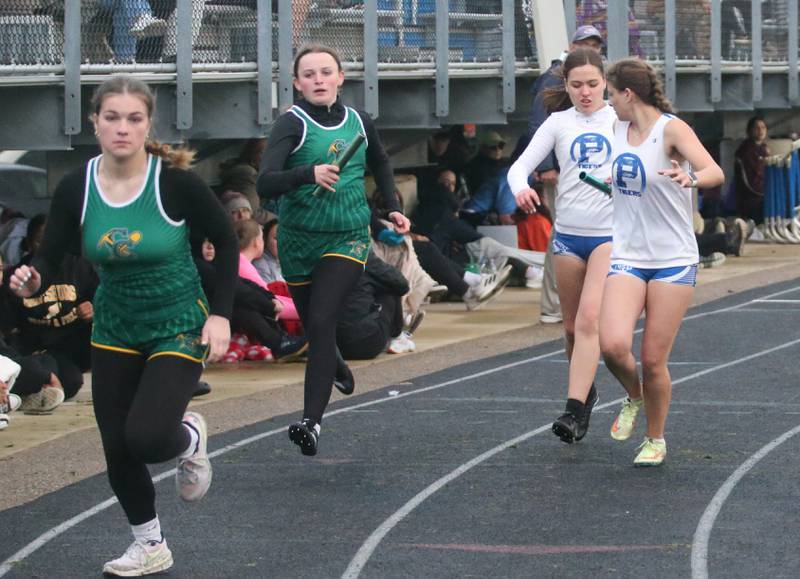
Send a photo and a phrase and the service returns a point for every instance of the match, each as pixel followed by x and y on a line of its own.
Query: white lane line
pixel 706 524
pixel 601 363
pixel 368 547
pixel 47 536
pixel 770 301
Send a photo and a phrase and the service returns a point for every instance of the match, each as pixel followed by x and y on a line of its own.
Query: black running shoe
pixel 291 348
pixel 566 427
pixel 583 422
pixel 303 435
pixel 201 389
pixel 344 381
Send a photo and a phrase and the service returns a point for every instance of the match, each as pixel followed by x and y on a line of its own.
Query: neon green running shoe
pixel 651 453
pixel 625 422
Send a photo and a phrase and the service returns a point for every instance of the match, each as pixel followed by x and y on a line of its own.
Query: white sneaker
pixel 4 420
pixel 716 259
pixel 13 403
pixel 551 319
pixel 141 558
pixel 402 344
pixel 490 286
pixel 534 277
pixel 194 473
pixel 148 25
pixel 44 401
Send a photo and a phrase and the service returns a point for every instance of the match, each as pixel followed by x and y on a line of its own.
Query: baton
pixel 601 186
pixel 342 160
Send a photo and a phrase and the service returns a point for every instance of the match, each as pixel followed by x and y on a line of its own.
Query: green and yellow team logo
pixel 336 148
pixel 120 243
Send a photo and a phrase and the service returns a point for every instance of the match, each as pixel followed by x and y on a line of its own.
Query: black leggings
pixel 318 305
pixel 441 268
pixel 139 405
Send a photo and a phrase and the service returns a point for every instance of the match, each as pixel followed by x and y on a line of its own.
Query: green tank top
pixel 142 256
pixel 347 208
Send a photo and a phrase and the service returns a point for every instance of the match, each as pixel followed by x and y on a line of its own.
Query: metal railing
pixel 71 41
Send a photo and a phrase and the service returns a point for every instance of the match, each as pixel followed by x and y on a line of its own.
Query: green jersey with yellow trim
pixel 142 256
pixel 345 209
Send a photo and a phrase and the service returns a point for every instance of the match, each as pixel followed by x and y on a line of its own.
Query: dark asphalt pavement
pixel 483 504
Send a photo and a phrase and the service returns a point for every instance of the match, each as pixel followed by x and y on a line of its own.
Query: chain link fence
pixel 225 31
pixel 29 33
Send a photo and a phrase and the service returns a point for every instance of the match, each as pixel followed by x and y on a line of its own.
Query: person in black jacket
pixel 372 313
pixel 59 319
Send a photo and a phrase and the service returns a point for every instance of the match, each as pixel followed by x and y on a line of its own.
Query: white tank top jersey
pixel 652 214
pixel 581 143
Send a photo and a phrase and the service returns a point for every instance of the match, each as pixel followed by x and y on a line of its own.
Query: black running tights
pixel 319 304
pixel 139 405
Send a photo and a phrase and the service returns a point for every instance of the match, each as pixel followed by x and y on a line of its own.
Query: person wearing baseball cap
pixel 587 36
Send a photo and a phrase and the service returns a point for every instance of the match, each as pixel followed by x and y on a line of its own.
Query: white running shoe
pixel 534 277
pixel 44 401
pixel 148 25
pixel 402 344
pixel 194 473
pixel 141 558
pixel 490 286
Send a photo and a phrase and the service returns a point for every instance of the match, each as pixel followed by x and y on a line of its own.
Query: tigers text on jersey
pixel 652 213
pixel 582 143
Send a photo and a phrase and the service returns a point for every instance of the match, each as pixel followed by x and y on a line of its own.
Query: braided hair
pixel 642 79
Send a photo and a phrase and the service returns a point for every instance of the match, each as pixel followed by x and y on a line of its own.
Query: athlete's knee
pixel 654 365
pixel 586 325
pixel 614 348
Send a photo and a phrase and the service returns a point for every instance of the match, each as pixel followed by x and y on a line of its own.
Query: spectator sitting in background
pixel 269 269
pixel 475 289
pixel 37 384
pixel 240 174
pixel 488 162
pixel 436 218
pixel 237 206
pixel 58 320
pixel 13 229
pixel 256 309
pixel 372 319
pixel 9 370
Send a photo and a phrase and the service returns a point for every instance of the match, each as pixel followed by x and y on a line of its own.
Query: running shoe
pixel 566 428
pixel 625 422
pixel 304 435
pixel 344 381
pixel 583 421
pixel 550 318
pixel 194 473
pixel 141 558
pixel 651 453
pixel 44 401
pixel 402 344
pixel 148 25
pixel 412 321
pixel 291 349
pixel 12 404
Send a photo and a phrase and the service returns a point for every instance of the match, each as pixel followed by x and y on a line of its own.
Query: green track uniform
pixel 335 223
pixel 150 300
